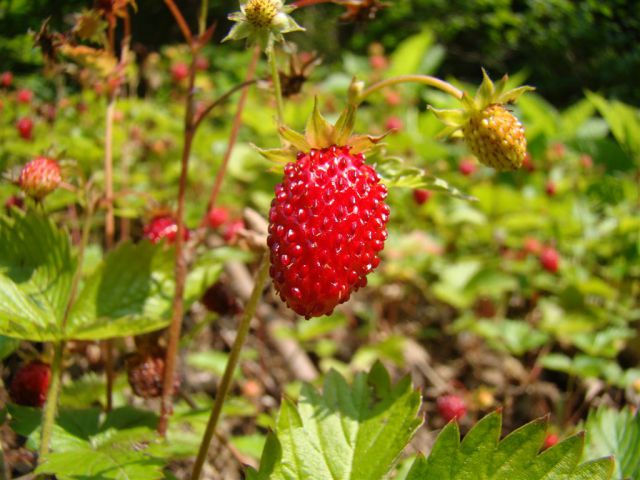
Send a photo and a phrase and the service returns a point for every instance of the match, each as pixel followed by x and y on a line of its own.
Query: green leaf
pixel 482 456
pixel 408 57
pixel 36 271
pixel 617 433
pixel 347 432
pixel 7 346
pixel 132 292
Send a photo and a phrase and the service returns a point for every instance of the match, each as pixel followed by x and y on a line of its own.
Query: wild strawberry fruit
pixel 25 96
pixel 163 226
pixel 586 161
pixel 202 64
pixel 421 196
pixel 25 128
pixel 490 130
pixel 327 222
pixel 550 188
pixel 392 98
pixel 179 71
pixel 378 62
pixel 12 202
pixel 30 384
pixel 550 440
pixel 532 246
pixel 145 372
pixel 527 163
pixel 6 79
pixel 218 216
pixel 550 259
pixel 394 124
pixel 467 167
pixel 231 231
pixel 40 177
pixel 451 407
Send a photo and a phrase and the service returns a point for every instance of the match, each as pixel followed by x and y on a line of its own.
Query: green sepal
pixel 500 85
pixel 280 156
pixel 450 117
pixel 486 91
pixel 345 124
pixel 364 143
pixel 319 132
pixel 294 138
pixel 512 95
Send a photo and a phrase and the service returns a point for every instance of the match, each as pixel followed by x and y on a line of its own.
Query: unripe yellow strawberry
pixel 496 137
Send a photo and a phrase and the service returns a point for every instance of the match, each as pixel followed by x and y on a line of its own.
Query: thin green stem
pixel 434 82
pixel 202 19
pixel 51 405
pixel 277 89
pixel 225 382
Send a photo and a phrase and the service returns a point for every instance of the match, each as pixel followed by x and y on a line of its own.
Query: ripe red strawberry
pixel 6 79
pixel 25 96
pixel 378 62
pixel 326 226
pixel 394 124
pixel 179 72
pixel 421 196
pixel 451 407
pixel 145 372
pixel 30 384
pixel 163 226
pixel 586 161
pixel 25 128
pixel 467 167
pixel 231 231
pixel 527 163
pixel 550 440
pixel 217 217
pixel 550 259
pixel 40 177
pixel 550 188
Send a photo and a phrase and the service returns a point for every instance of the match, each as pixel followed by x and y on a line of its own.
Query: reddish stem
pixel 180 266
pixel 308 3
pixel 182 23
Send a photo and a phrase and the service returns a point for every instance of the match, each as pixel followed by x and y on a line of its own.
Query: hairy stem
pixel 422 79
pixel 232 362
pixel 277 89
pixel 51 405
pixel 180 265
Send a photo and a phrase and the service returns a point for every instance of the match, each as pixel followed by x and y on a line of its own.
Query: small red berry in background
pixel 451 407
pixel 527 163
pixel 557 151
pixel 12 202
pixel 40 177
pixel 550 259
pixel 161 227
pixel 550 440
pixel 421 196
pixel 6 79
pixel 202 64
pixel 550 188
pixel 30 384
pixel 586 161
pixel 378 62
pixel 217 217
pixel 532 246
pixel 230 233
pixel 25 96
pixel 467 167
pixel 392 98
pixel 25 128
pixel 179 72
pixel 394 124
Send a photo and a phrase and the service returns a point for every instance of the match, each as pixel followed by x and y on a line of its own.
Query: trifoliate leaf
pixel 347 432
pixel 617 433
pixel 482 456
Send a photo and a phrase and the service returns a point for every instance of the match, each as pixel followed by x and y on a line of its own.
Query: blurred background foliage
pixel 564 46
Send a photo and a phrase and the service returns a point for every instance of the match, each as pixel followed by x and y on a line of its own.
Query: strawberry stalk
pixel 232 362
pixel 428 80
pixel 51 404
